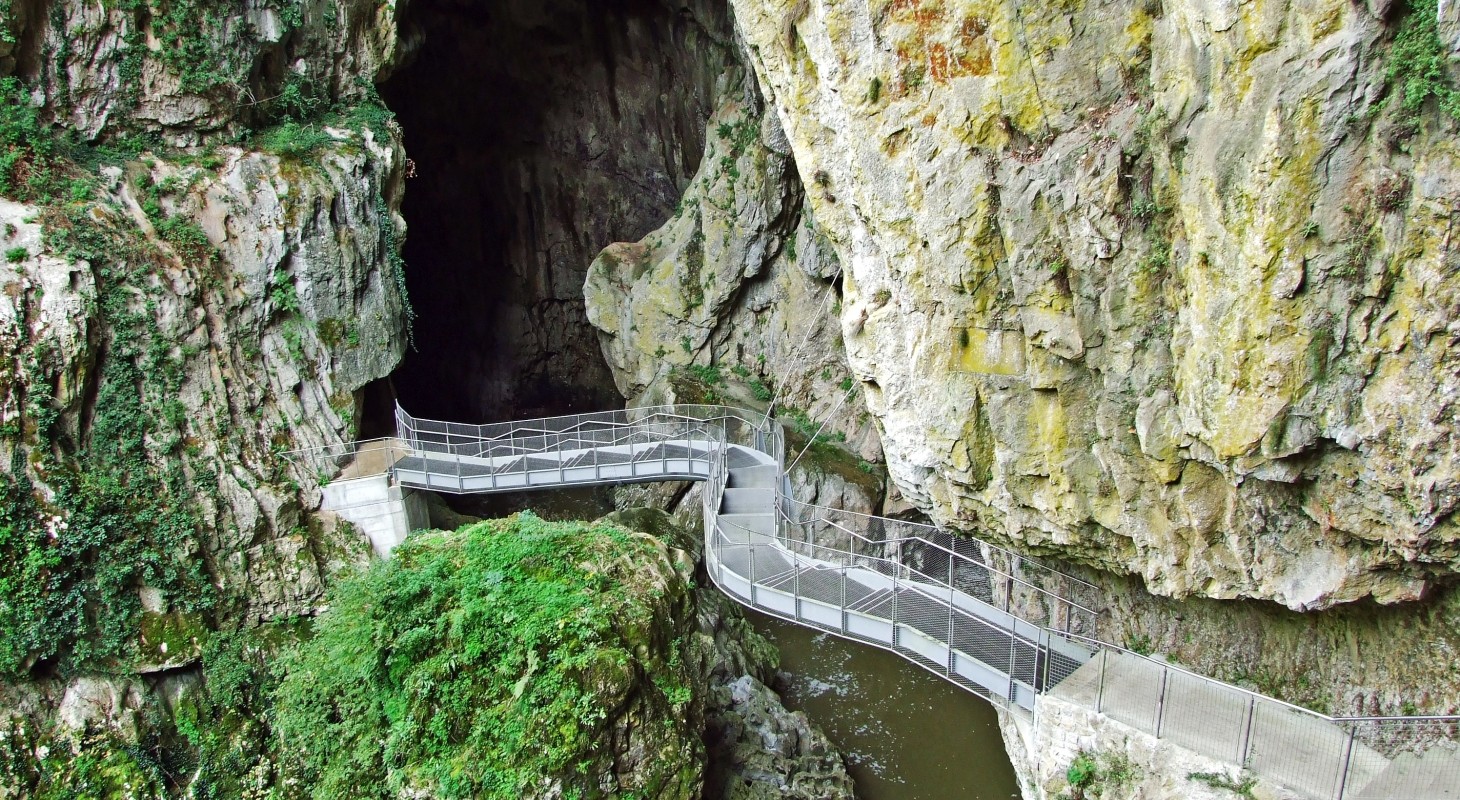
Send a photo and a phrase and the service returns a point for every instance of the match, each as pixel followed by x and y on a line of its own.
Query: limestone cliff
pixel 174 321
pixel 1159 287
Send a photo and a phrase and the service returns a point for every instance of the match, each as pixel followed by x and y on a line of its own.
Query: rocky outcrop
pixel 1159 288
pixel 175 322
pixel 735 296
pixel 271 335
pixel 755 747
pixel 193 71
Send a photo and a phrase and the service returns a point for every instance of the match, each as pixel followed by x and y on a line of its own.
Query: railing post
pixel 796 585
pixel 894 606
pixel 952 659
pixel 1009 585
pixel 1009 668
pixel 1161 701
pixel 750 548
pixel 844 600
pixel 1247 731
pixel 1348 753
pixel 1100 692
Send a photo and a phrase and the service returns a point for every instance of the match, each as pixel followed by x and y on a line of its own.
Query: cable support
pixel 832 413
pixel 810 327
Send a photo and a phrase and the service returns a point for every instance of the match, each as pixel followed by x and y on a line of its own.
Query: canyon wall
pixel 1162 288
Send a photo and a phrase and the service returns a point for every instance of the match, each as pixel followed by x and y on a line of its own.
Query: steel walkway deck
pixel 976 614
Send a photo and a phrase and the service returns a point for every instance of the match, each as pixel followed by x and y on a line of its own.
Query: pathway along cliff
pixel 941 602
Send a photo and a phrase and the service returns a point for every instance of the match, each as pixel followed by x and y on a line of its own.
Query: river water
pixel 906 734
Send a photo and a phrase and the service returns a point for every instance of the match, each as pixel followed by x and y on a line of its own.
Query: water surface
pixel 906 733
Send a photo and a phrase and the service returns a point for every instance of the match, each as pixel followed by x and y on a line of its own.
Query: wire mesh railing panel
pixel 1202 716
pixel 1298 750
pixel 1421 759
pixel 1130 691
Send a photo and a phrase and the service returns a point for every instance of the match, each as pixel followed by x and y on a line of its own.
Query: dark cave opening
pixel 540 131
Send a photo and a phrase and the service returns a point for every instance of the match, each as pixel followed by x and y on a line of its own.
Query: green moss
pixel 96 766
pixel 172 637
pixel 475 663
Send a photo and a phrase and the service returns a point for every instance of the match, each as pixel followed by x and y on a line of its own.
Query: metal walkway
pixel 764 549
pixel 978 615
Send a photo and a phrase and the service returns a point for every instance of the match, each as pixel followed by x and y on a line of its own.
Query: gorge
pixel 1158 293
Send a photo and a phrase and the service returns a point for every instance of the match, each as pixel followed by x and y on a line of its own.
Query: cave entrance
pixel 541 131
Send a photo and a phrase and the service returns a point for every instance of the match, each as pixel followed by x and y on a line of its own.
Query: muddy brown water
pixel 906 734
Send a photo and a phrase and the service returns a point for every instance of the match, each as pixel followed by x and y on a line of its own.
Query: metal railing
pixel 349 459
pixel 981 616
pixel 1321 756
pixel 966 564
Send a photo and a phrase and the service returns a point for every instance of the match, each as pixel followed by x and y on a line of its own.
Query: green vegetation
pixel 1418 65
pixel 760 390
pixel 37 766
pixel 709 373
pixel 465 664
pixel 15 255
pixel 1093 775
pixel 1217 780
pixel 121 514
pixel 1082 771
pixel 740 135
pixel 1140 644
pixel 33 160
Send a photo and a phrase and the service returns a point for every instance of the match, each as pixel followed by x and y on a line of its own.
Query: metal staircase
pixel 978 615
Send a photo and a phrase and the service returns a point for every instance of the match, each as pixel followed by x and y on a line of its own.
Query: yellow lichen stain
pixel 1049 432
pixel 1138 33
pixel 1328 20
pixel 988 351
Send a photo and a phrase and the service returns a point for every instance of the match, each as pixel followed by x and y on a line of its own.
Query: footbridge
pixel 986 619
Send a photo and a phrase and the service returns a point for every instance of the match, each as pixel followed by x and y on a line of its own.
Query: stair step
pixel 762 476
pixel 737 525
pixel 748 501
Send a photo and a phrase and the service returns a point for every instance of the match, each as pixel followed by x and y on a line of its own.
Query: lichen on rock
pixel 1138 284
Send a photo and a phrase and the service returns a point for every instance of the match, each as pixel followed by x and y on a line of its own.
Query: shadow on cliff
pixel 540 133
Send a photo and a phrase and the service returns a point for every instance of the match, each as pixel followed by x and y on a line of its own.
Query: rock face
pixel 188 317
pixel 734 298
pixel 194 70
pixel 273 336
pixel 1162 288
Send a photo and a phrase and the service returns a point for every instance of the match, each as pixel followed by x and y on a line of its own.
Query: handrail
pixel 721 426
pixel 936 546
pixel 983 543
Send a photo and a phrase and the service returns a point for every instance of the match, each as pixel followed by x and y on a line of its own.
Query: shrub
pixel 1417 62
pixel 468 663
